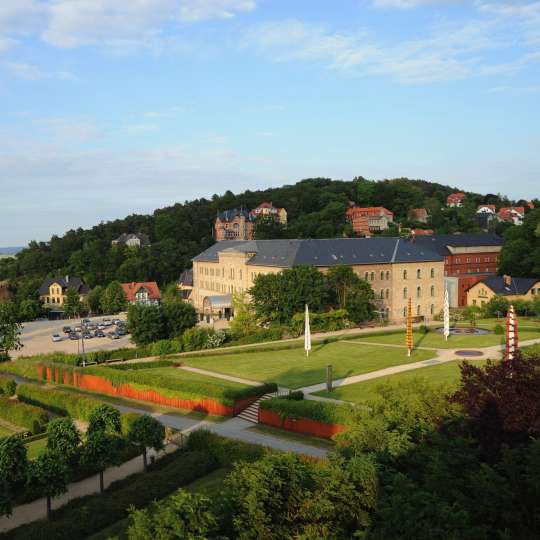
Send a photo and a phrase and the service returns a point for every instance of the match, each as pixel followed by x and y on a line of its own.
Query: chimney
pixel 507 280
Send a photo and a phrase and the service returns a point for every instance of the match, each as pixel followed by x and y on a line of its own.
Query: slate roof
pixel 66 282
pixel 325 252
pixel 440 242
pixel 186 277
pixel 516 285
pixel 229 215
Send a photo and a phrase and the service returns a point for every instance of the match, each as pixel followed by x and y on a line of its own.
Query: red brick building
pixel 367 220
pixel 234 225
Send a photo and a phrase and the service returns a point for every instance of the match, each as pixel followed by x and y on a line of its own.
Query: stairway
pixel 251 413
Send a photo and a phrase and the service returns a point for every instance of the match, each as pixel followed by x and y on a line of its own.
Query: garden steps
pixel 251 413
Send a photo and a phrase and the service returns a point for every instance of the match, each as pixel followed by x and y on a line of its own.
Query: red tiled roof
pixel 507 212
pixel 422 231
pixel 131 289
pixel 371 211
pixel 455 197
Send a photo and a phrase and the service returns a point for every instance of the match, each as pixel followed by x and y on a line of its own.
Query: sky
pixel 113 107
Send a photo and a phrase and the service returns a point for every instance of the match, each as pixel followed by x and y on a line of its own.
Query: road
pixel 37 339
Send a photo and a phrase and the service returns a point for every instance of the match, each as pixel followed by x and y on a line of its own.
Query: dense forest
pixel 315 208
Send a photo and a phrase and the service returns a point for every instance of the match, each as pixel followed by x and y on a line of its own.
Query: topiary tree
pixel 13 467
pixel 105 419
pixel 49 474
pixel 147 432
pixel 101 451
pixel 63 437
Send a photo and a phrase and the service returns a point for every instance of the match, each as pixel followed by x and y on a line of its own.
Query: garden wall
pixel 305 426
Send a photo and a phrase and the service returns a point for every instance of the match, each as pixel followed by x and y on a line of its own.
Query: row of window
pixel 457 260
pixel 419 310
pixel 55 290
pixel 220 287
pixel 216 272
pixel 370 276
pixel 53 300
pixel 418 292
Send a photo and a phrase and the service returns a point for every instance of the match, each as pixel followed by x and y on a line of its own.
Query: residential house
pixel 421 232
pixel 53 291
pixel 511 214
pixel 144 293
pixel 368 220
pixel 455 200
pixel 418 214
pixel 485 214
pixel 395 268
pixel 234 225
pixel 268 209
pixel 132 240
pixel 511 288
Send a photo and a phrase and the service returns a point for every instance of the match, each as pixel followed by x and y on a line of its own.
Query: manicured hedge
pixel 83 517
pixel 328 413
pixel 8 386
pixel 34 419
pixel 143 365
pixel 166 386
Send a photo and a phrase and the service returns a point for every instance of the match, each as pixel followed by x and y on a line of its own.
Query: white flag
pixel 446 315
pixel 307 333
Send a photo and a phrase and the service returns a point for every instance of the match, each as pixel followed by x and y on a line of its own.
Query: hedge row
pixel 143 365
pixel 167 386
pixel 67 403
pixel 34 419
pixel 83 517
pixel 328 413
pixel 8 386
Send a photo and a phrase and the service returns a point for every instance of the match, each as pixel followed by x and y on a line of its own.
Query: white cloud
pixel 525 15
pixel 31 72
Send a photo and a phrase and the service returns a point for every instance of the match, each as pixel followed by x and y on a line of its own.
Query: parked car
pixel 67 329
pixel 99 333
pixel 87 335
pixel 74 336
pixel 56 337
pixel 106 322
pixel 78 328
pixel 121 331
pixel 113 335
pixel 86 321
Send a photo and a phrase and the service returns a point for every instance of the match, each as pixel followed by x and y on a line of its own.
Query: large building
pixel 511 288
pixel 145 293
pixel 132 240
pixel 396 269
pixel 53 291
pixel 369 219
pixel 468 258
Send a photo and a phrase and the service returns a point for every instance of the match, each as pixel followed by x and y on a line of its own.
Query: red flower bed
pixel 305 426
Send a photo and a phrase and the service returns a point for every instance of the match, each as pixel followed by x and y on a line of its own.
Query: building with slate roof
pixel 132 240
pixel 184 284
pixel 395 268
pixel 235 224
pixel 511 288
pixel 53 291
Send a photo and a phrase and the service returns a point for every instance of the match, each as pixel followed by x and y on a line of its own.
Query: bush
pixel 8 386
pixel 85 516
pixel 320 411
pixel 423 329
pixel 164 347
pixel 498 329
pixel 195 339
pixel 126 421
pixel 151 364
pixel 273 333
pixel 216 339
pixel 329 321
pixel 297 395
pixel 20 414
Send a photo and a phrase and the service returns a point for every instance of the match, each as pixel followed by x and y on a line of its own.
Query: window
pixel 382 275
pixel 486 259
pixel 477 259
pixel 387 274
pixel 405 292
pixel 382 294
pixel 387 293
pixel 240 276
pixel 418 292
pixel 418 274
pixel 432 291
pixel 468 259
pixel 474 302
pixel 366 276
pixel 372 276
pixel 417 310
pixel 432 272
pixel 404 274
pixel 432 309
pixel 404 311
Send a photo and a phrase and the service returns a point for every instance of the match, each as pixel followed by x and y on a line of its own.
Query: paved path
pixel 391 345
pixel 221 376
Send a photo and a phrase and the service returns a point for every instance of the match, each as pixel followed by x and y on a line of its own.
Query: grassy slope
pixel 178 373
pixel 447 374
pixel 292 369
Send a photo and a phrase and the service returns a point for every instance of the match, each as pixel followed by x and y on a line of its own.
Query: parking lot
pixel 37 338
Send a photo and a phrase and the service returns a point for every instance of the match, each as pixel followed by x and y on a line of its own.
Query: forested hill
pixel 315 209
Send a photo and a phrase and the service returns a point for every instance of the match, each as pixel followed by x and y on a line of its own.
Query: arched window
pixel 372 276
pixel 404 274
pixel 382 294
pixel 366 276
pixel 432 309
pixel 432 290
pixel 418 310
pixel 405 292
pixel 387 274
pixel 433 272
pixel 387 293
pixel 418 273
pixel 418 292
pixel 404 311
pixel 382 275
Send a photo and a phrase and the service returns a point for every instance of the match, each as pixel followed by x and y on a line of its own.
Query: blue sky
pixel 109 107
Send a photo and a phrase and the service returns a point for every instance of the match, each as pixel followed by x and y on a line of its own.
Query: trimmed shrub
pixel 320 411
pixel 330 321
pixel 20 414
pixel 297 395
pixel 498 329
pixel 143 365
pixel 273 333
pixel 164 347
pixel 85 516
pixel 195 339
pixel 8 386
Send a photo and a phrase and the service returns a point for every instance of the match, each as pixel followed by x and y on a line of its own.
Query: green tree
pixel 183 515
pixel 146 324
pixel 147 432
pixel 105 419
pixel 63 437
pixel 49 474
pixel 94 299
pixel 170 294
pixel 245 320
pixel 269 227
pixel 497 306
pixel 101 450
pixel 13 467
pixel 179 316
pixel 113 298
pixel 73 305
pixel 10 329
pixel 29 310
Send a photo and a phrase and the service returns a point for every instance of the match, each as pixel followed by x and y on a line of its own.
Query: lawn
pixel 34 448
pixel 435 340
pixel 447 374
pixel 291 368
pixel 4 432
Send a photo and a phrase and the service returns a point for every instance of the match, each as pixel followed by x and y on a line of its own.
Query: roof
pixel 325 252
pixel 124 237
pixel 509 212
pixel 373 211
pixel 455 197
pixel 440 242
pixel 218 302
pixel 488 206
pixel 229 215
pixel 131 289
pixel 422 232
pixel 186 277
pixel 419 212
pixel 66 282
pixel 518 285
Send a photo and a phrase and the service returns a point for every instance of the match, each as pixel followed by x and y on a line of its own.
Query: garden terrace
pixel 31 418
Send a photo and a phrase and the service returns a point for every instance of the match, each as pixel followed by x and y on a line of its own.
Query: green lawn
pixel 447 373
pixel 4 432
pixel 435 340
pixel 291 368
pixel 34 448
pixel 178 373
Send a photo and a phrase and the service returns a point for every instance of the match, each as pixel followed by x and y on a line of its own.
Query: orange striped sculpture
pixel 512 340
pixel 409 335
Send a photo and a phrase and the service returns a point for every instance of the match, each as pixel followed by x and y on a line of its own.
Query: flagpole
pixel 446 315
pixel 307 333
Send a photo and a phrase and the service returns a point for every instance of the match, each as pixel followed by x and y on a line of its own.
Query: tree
pixel 13 467
pixel 73 305
pixel 183 515
pixel 49 474
pixel 179 316
pixel 113 298
pixel 245 319
pixel 170 294
pixel 497 306
pixel 10 330
pixel 269 227
pixel 146 324
pixel 29 310
pixel 101 450
pixel 63 437
pixel 94 299
pixel 105 419
pixel 147 432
